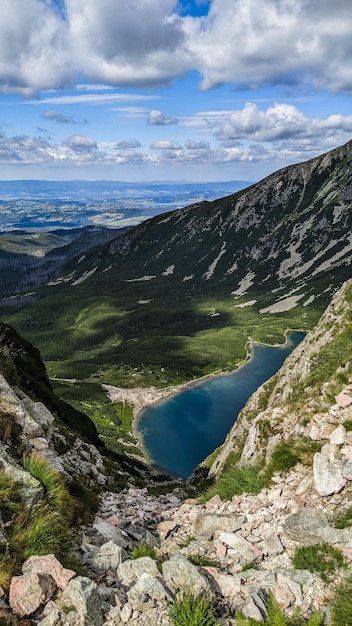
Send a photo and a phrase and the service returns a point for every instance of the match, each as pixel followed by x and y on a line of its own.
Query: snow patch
pixel 232 269
pixel 107 268
pixel 248 303
pixel 188 277
pixel 208 274
pixel 282 305
pixel 244 284
pixel 309 301
pixel 84 277
pixel 138 280
pixel 62 279
pixel 144 301
pixel 169 270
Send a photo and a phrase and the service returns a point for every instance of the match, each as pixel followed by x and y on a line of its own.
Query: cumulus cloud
pixel 55 116
pixel 166 144
pixel 149 42
pixel 190 144
pixel 157 118
pixel 80 143
pixel 128 143
pixel 279 122
pixel 290 42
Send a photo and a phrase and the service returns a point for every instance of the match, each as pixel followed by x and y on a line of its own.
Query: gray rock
pixel 338 436
pixel 306 526
pixel 145 592
pixel 179 573
pixel 241 547
pixel 271 545
pixel 207 524
pixel 110 533
pixel 82 594
pixel 129 571
pixel 328 477
pixel 346 469
pixel 108 557
pixel 29 592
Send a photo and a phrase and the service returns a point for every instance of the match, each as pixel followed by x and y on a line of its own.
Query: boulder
pixel 29 592
pixel 129 571
pixel 48 564
pixel 81 594
pixel 242 548
pixel 108 557
pixel 207 524
pixel 179 573
pixel 145 592
pixel 328 477
pixel 343 400
pixel 306 526
pixel 110 532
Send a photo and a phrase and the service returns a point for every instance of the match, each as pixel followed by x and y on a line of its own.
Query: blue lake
pixel 180 431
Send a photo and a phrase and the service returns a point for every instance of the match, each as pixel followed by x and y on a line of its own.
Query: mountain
pixel 177 296
pixel 269 542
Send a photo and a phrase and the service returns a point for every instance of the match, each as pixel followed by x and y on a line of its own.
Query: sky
pixel 193 90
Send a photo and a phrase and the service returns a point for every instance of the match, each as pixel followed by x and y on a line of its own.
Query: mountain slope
pixel 178 296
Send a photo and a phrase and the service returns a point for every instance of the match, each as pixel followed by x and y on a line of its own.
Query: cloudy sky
pixel 165 89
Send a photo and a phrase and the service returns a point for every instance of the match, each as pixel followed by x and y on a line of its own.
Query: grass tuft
pixel 322 558
pixel 342 606
pixel 143 549
pixel 276 617
pixel 234 481
pixel 343 519
pixel 191 610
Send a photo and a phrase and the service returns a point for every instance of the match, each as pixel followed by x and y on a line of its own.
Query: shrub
pixel 143 549
pixel 322 558
pixel 191 610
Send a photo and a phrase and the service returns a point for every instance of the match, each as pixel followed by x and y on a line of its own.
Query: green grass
pixel 234 481
pixel 323 559
pixel 191 610
pixel 276 617
pixel 342 605
pixel 343 519
pixel 143 549
pixel 57 494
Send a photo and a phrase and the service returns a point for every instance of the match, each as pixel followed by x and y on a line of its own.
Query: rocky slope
pixel 236 550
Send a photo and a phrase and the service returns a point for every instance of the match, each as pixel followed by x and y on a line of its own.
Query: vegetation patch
pixel 192 610
pixel 343 519
pixel 323 559
pixel 143 549
pixel 234 481
pixel 342 605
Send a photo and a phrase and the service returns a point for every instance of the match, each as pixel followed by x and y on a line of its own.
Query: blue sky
pixel 163 90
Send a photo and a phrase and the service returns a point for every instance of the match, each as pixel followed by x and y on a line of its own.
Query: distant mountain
pixel 178 295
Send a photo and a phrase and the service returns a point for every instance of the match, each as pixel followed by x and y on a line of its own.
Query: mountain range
pixel 178 296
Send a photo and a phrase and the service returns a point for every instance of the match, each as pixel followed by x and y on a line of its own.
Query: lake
pixel 180 431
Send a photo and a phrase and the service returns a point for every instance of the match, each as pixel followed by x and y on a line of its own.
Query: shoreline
pixel 141 398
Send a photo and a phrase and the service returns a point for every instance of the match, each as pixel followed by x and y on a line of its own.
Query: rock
pixel 207 524
pixel 82 594
pixel 126 613
pixel 241 547
pixel 271 545
pixel 129 571
pixel 108 557
pixel 346 469
pixel 31 489
pixel 48 564
pixel 165 528
pixel 343 400
pixel 179 573
pixel 338 436
pixel 109 532
pixel 254 608
pixel 146 590
pixel 328 477
pixel 224 584
pixel 306 526
pixel 283 595
pixel 29 592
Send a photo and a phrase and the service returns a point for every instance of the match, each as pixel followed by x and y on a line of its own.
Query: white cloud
pixel 278 123
pixel 55 116
pixel 128 143
pixel 157 118
pixel 166 144
pixel 190 144
pixel 288 42
pixel 81 143
pixel 93 99
pixel 149 42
